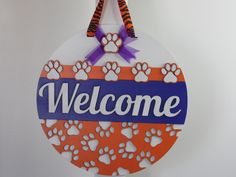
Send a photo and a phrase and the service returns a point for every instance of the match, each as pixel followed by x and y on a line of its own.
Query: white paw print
pixel 50 123
pixel 56 137
pixel 111 71
pixel 70 153
pixel 105 129
pixel 120 172
pixel 82 68
pixel 111 43
pixel 170 129
pixel 73 127
pixel 141 72
pixel 129 129
pixel 171 72
pixel 153 137
pixel 91 167
pixel 127 150
pixel 145 159
pixel 53 69
pixel 106 155
pixel 89 142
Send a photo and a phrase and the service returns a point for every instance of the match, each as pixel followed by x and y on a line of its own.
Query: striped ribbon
pixel 124 11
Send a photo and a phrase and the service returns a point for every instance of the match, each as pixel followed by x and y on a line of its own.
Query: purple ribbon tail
pixel 129 40
pixel 127 53
pixel 123 34
pixel 95 55
pixel 131 49
pixel 99 34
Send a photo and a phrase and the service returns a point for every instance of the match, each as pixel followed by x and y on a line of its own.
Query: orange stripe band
pixel 125 74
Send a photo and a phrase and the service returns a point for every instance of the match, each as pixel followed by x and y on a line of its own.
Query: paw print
pixel 53 69
pixel 127 150
pixel 106 155
pixel 70 153
pixel 50 123
pixel 73 127
pixel 141 72
pixel 145 159
pixel 91 167
pixel 105 129
pixel 81 69
pixel 111 43
pixel 153 137
pixel 89 142
pixel 111 71
pixel 120 172
pixel 56 137
pixel 170 129
pixel 129 129
pixel 171 73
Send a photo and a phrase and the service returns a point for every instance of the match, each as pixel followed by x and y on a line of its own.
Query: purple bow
pixel 124 51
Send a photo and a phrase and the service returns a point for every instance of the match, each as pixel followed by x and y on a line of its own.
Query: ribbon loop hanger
pixel 124 12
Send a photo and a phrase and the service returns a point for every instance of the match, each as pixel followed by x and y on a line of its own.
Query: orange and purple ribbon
pixel 124 51
pixel 124 12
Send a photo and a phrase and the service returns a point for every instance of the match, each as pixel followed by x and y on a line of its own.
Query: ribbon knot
pixel 112 43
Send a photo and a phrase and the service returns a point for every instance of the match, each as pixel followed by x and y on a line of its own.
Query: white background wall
pixel 201 34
